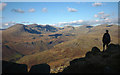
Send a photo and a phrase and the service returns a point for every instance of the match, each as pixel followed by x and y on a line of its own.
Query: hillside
pixel 40 29
pixel 64 52
pixel 11 54
pixel 25 40
pixel 94 62
pixel 56 48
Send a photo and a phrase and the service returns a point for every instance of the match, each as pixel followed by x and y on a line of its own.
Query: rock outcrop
pixel 96 61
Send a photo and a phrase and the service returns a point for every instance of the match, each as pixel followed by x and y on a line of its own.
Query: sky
pixel 60 0
pixel 58 13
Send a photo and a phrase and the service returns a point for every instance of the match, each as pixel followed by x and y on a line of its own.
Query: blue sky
pixel 60 0
pixel 59 13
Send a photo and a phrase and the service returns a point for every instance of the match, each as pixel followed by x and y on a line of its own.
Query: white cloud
pixel 72 9
pixel 2 6
pixel 80 21
pixel 97 20
pixel 97 4
pixel 108 20
pixel 31 10
pixel 18 10
pixel 88 22
pixel 104 16
pixel 73 21
pixel 77 22
pixel 8 24
pixel 62 22
pixel 44 10
pixel 95 16
pixel 101 13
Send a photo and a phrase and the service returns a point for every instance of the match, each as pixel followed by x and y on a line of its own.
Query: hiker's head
pixel 106 31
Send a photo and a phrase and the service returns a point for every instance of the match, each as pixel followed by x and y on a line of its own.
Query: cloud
pixel 31 10
pixel 44 10
pixel 72 9
pixel 80 21
pixel 97 4
pixel 101 13
pixel 2 6
pixel 88 22
pixel 97 20
pixel 104 16
pixel 77 22
pixel 18 10
pixel 8 24
pixel 107 20
pixel 95 16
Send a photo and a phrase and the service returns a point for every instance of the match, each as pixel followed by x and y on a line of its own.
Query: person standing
pixel 106 39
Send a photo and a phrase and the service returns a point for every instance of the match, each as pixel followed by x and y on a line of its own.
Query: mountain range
pixel 56 46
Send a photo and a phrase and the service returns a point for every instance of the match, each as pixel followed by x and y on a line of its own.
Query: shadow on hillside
pixel 9 68
pixel 96 61
pixel 41 68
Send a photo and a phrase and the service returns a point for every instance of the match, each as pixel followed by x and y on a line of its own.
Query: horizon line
pixel 57 26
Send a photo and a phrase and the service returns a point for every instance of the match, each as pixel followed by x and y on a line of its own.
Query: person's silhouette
pixel 106 39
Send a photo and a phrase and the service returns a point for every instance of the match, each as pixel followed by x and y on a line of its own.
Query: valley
pixel 56 46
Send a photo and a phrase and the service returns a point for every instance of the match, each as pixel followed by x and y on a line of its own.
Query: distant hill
pixel 2 29
pixel 34 28
pixel 39 29
pixel 29 39
pixel 15 30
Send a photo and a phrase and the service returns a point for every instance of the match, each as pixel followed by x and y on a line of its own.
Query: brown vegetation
pixel 31 48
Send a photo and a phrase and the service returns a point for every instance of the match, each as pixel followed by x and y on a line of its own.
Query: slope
pixel 64 52
pixel 95 61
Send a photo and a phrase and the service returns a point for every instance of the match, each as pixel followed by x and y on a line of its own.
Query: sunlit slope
pixel 64 52
pixel 25 39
